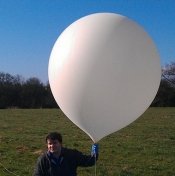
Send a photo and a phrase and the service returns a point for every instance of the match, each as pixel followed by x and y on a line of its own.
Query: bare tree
pixel 168 73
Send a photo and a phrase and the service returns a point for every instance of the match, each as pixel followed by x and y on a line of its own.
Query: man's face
pixel 54 146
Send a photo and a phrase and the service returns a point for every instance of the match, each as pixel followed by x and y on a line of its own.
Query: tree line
pixel 166 93
pixel 16 92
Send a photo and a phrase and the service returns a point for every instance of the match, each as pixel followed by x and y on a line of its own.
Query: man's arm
pixel 40 167
pixel 88 160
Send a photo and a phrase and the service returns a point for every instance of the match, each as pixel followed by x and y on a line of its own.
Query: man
pixel 60 161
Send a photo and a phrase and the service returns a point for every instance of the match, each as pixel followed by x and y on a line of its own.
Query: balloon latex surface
pixel 104 72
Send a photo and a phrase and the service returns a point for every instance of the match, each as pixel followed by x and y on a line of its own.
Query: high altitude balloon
pixel 104 72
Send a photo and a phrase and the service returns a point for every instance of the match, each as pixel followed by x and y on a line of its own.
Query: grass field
pixel 144 148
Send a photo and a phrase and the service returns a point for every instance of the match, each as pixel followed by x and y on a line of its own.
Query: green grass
pixel 146 147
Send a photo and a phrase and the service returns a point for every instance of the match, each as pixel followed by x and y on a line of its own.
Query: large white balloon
pixel 104 72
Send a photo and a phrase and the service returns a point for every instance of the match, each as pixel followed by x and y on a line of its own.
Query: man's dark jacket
pixel 66 165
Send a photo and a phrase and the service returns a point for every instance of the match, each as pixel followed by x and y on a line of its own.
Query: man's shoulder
pixel 43 157
pixel 70 151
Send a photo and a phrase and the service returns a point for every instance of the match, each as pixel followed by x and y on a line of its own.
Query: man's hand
pixel 94 150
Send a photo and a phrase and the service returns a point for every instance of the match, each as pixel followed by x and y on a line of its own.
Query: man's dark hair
pixel 54 136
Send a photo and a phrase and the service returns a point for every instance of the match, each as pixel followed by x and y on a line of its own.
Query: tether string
pixel 95 166
pixel 8 170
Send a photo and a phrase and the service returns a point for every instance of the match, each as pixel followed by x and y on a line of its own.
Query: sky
pixel 29 28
